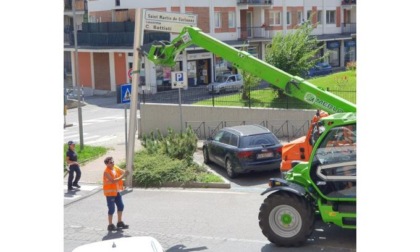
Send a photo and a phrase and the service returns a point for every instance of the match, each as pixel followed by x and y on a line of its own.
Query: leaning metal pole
pixel 134 96
pixel 76 72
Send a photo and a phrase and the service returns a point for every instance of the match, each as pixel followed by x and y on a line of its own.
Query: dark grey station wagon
pixel 243 149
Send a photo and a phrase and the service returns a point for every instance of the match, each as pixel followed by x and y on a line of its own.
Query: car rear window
pixel 258 140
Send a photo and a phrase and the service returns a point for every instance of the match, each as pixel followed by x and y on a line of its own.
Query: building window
pixel 330 17
pixel 217 20
pixel 117 2
pixel 289 18
pixel 300 17
pixel 308 14
pixel 319 17
pixel 275 18
pixel 231 19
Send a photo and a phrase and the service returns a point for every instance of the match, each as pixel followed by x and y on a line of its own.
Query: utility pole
pixel 138 40
pixel 76 72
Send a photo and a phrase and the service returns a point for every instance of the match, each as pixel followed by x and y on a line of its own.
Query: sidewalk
pixel 93 170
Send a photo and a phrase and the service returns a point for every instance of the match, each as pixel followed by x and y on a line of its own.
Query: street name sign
pixel 167 21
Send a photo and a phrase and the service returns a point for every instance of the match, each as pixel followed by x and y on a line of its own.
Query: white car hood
pixel 125 244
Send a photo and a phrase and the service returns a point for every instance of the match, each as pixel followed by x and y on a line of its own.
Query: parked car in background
pixel 321 68
pixel 243 149
pixel 226 83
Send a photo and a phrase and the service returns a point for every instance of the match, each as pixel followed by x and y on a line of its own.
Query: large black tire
pixel 286 219
pixel 206 155
pixel 229 169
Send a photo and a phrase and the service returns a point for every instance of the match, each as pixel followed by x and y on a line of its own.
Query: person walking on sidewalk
pixel 112 187
pixel 71 159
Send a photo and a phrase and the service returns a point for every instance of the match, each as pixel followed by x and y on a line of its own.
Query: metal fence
pixel 282 129
pixel 261 96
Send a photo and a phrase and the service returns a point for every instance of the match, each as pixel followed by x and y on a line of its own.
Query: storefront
pixel 333 48
pixel 163 74
pixel 349 51
pixel 199 68
pixel 221 66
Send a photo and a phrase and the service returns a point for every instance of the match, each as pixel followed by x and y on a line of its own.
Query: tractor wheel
pixel 286 219
pixel 206 156
pixel 229 168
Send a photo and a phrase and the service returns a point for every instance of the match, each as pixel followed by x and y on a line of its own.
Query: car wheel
pixel 229 168
pixel 286 219
pixel 206 156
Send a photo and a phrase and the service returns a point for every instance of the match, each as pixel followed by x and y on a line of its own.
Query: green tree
pixel 250 81
pixel 294 52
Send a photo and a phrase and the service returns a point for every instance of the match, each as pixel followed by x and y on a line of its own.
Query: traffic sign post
pixel 167 21
pixel 129 73
pixel 179 80
pixel 157 21
pixel 124 93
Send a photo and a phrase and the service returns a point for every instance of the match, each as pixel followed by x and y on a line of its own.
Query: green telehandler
pixel 325 185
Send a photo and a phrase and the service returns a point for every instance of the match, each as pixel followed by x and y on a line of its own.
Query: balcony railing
pixel 255 2
pixel 348 27
pixel 109 34
pixel 346 2
pixel 247 32
pixel 79 5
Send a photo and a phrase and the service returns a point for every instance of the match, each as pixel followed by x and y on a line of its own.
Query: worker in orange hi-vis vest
pixel 112 187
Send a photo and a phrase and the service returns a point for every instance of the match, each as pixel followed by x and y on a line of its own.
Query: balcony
pixel 348 2
pixel 109 34
pixel 348 28
pixel 255 2
pixel 254 33
pixel 79 5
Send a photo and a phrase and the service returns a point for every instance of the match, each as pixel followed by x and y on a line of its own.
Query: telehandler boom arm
pixel 164 53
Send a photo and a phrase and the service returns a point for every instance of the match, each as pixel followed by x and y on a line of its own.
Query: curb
pixel 188 185
pixel 84 196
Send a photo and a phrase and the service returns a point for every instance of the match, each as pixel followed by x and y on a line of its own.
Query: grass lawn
pixel 342 84
pixel 342 80
pixel 87 154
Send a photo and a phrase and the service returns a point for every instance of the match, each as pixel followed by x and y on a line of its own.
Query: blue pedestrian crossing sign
pixel 179 79
pixel 125 94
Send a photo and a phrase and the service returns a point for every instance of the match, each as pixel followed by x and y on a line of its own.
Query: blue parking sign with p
pixel 179 77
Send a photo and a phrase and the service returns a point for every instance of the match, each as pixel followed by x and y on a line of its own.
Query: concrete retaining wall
pixel 205 120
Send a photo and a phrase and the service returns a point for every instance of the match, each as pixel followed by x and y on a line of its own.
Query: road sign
pixel 167 21
pixel 125 93
pixel 179 79
pixel 130 72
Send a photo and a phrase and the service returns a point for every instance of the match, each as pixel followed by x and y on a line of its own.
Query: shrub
pixel 156 169
pixel 177 146
pixel 351 66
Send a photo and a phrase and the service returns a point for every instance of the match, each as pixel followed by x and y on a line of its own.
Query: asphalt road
pixel 191 220
pixel 180 219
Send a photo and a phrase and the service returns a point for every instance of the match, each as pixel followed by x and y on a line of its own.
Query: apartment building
pixel 105 35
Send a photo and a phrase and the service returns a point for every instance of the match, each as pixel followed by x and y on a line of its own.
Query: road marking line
pixel 102 139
